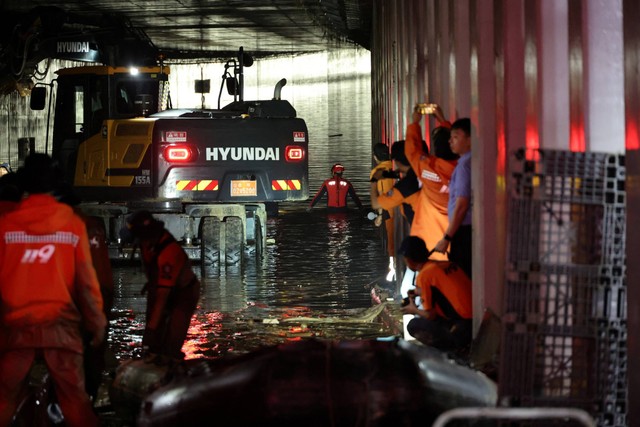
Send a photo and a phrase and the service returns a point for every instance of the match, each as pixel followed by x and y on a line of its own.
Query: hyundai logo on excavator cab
pixel 242 153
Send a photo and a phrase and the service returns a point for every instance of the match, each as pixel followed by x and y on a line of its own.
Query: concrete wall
pixel 552 74
pixel 19 121
pixel 530 73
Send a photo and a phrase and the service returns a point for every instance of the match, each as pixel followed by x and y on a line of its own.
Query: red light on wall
pixel 178 153
pixel 632 140
pixel 294 153
pixel 576 138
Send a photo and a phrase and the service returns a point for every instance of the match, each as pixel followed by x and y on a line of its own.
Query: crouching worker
pixel 172 287
pixel 444 315
pixel 49 292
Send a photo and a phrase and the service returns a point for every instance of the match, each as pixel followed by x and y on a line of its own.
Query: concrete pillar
pixel 462 76
pixel 514 79
pixel 419 22
pixel 444 59
pixel 553 63
pixel 604 75
pixel 576 77
pixel 488 233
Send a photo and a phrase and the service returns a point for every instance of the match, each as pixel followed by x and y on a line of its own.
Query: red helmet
pixel 337 168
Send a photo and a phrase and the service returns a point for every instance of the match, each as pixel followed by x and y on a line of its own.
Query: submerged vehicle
pixel 310 382
pixel 207 173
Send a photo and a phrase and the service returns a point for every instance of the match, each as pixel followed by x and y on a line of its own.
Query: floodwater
pixel 314 277
pixel 313 280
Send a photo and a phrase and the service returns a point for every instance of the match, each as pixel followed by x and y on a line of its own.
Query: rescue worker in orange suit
pixel 49 294
pixel 172 287
pixel 434 172
pixel 94 360
pixel 444 318
pixel 384 182
pixel 405 193
pixel 336 189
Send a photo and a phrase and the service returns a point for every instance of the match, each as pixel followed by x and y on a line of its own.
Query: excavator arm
pixel 48 32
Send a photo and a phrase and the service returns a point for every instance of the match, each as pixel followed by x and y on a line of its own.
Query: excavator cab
pixel 88 100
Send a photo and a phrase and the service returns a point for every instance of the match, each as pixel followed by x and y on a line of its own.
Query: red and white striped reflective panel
pixel 285 184
pixel 197 185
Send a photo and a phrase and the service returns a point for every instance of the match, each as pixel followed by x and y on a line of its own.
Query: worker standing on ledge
pixel 336 188
pixel 382 180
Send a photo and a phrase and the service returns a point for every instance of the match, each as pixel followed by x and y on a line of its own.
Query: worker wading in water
pixel 172 288
pixel 336 189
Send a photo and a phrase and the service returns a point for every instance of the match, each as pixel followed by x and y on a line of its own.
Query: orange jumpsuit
pixel 445 292
pixel 385 185
pixel 452 283
pixel 7 206
pixel 48 293
pixel 168 267
pixel 431 219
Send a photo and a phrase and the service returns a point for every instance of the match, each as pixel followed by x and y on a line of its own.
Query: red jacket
pixel 49 287
pixel 167 266
pixel 336 189
pixel 7 206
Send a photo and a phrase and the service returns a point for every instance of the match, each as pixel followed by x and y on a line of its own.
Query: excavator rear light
pixel 178 153
pixel 294 153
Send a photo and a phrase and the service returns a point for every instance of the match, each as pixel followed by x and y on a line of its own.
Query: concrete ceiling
pixel 203 28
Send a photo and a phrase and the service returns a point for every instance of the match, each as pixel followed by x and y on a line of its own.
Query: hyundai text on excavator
pixel 207 173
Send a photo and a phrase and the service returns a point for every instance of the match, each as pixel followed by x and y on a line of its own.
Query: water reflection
pixel 316 268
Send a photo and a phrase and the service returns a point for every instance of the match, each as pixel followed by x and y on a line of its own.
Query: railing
pixel 515 414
